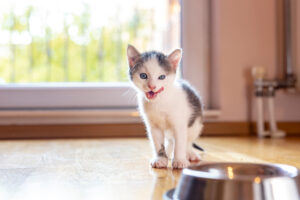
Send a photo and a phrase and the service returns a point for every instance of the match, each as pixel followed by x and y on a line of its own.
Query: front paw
pixel 179 164
pixel 159 162
pixel 193 157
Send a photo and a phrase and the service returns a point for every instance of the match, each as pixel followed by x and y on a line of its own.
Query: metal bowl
pixel 237 181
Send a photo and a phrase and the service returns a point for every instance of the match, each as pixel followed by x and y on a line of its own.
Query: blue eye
pixel 143 76
pixel 162 77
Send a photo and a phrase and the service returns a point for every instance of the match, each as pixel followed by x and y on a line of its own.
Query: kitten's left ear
pixel 175 57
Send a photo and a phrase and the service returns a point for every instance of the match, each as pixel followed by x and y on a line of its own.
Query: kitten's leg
pixel 194 133
pixel 180 151
pixel 160 159
pixel 191 154
pixel 169 147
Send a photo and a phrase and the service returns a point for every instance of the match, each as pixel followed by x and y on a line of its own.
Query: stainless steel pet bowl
pixel 237 181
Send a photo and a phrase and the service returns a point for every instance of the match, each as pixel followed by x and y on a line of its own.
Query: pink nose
pixel 152 87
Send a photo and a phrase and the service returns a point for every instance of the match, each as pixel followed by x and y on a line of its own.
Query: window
pixel 71 55
pixel 81 41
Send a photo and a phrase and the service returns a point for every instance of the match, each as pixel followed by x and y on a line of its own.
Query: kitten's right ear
pixel 132 55
pixel 175 57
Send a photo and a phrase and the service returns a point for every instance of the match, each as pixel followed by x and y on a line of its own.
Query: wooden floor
pixel 114 168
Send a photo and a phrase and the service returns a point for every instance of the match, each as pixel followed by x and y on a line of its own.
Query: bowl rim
pixel 291 170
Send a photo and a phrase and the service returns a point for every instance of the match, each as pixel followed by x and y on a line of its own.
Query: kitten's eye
pixel 143 76
pixel 162 77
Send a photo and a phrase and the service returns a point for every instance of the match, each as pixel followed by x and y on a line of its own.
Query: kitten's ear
pixel 175 57
pixel 132 55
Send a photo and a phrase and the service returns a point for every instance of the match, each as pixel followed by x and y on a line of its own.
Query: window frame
pixel 19 101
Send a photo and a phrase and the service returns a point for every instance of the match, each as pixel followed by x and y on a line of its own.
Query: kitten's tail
pixel 198 147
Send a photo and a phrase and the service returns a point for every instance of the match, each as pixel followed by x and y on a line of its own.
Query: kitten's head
pixel 152 72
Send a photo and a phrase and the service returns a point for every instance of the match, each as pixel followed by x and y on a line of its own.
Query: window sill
pixel 77 116
pixel 66 95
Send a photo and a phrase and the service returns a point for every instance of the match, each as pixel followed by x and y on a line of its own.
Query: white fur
pixel 166 116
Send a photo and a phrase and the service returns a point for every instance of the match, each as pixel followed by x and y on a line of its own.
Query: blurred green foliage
pixel 98 55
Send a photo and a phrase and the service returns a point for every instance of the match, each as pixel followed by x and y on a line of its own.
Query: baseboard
pixel 128 130
pixel 72 131
pixel 247 129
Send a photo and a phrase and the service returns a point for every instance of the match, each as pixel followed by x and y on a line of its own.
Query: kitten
pixel 171 109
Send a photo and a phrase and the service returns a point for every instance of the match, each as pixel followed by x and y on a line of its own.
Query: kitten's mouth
pixel 152 94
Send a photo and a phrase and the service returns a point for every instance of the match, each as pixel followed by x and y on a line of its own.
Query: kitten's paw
pixel 193 157
pixel 179 164
pixel 159 162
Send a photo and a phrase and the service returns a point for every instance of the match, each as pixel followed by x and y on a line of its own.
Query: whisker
pixel 131 95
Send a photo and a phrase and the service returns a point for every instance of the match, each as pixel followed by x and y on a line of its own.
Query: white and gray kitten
pixel 171 109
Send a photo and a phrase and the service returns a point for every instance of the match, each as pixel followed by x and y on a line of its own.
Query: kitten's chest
pixel 158 116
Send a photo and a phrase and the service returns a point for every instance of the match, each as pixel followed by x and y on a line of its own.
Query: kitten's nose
pixel 152 87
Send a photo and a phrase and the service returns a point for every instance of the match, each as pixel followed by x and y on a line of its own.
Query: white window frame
pixel 196 43
pixel 61 103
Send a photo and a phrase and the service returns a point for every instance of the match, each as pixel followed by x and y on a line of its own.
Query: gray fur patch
pixel 162 152
pixel 146 56
pixel 194 101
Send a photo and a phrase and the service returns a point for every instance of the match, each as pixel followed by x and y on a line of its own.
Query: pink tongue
pixel 150 95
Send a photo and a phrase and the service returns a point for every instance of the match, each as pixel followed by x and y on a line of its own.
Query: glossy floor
pixel 114 168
